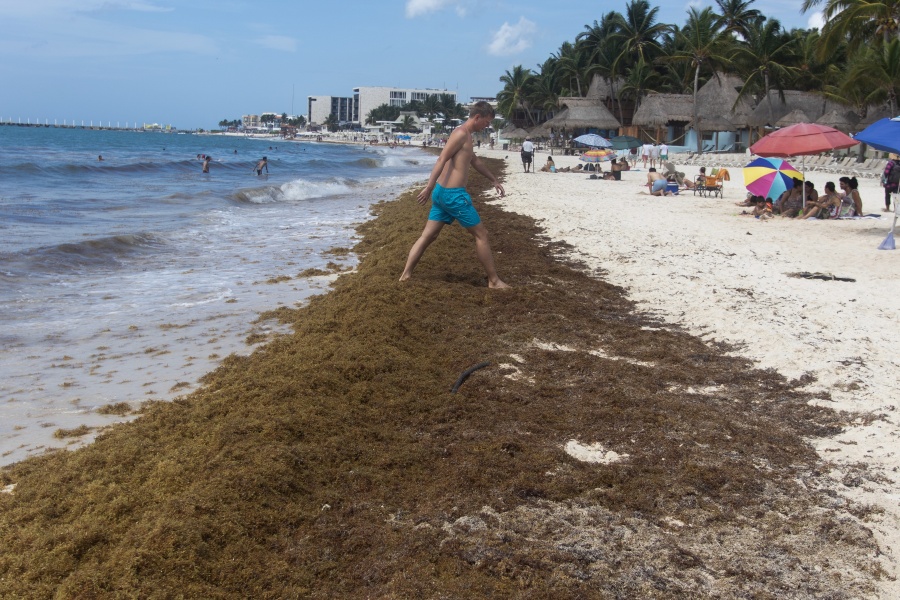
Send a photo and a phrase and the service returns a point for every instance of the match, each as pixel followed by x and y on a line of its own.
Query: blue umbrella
pixel 882 135
pixel 593 140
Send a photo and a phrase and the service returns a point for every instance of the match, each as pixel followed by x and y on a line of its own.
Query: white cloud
pixel 278 42
pixel 512 39
pixel 417 8
pixel 816 20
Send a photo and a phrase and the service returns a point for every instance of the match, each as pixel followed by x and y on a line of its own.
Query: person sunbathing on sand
pixel 449 199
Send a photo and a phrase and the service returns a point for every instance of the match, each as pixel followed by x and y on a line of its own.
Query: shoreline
pixel 697 263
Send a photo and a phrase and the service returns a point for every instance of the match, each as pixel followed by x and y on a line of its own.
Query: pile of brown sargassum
pixel 335 462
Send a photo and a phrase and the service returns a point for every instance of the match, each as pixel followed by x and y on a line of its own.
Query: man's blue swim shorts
pixel 449 204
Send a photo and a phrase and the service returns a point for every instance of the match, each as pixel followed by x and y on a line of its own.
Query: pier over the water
pixel 74 124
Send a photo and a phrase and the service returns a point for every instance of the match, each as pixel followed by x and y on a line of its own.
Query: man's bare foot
pixel 404 277
pixel 497 284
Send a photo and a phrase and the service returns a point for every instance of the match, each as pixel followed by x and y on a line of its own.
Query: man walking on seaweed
pixel 449 199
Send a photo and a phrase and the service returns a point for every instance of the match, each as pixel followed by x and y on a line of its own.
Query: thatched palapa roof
pixel 873 114
pixel 517 133
pixel 716 104
pixel 601 87
pixel 842 120
pixel 716 107
pixel 792 118
pixel 814 106
pixel 656 110
pixel 581 113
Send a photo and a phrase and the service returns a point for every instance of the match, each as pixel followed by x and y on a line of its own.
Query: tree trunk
pixel 617 100
pixel 696 116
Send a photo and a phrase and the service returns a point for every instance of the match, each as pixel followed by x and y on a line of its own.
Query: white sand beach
pixel 696 262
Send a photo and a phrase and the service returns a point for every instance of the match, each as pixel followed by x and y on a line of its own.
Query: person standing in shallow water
pixel 263 164
pixel 206 160
pixel 450 200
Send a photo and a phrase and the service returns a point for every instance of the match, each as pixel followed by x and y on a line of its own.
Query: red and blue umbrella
pixel 770 177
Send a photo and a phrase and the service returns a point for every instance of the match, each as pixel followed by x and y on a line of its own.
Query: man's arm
pixel 478 166
pixel 450 149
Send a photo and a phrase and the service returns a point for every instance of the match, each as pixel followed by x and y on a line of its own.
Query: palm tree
pixel 545 88
pixel 766 59
pixel 737 16
pixel 816 72
pixel 639 31
pixel 604 50
pixel 431 106
pixel 385 112
pixel 703 46
pixel 877 70
pixel 516 88
pixel 332 123
pixel 408 124
pixel 859 22
pixel 639 79
pixel 572 62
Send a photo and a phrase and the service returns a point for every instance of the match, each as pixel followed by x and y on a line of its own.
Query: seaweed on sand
pixel 335 462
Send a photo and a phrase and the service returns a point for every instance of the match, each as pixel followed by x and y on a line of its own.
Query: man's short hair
pixel 482 109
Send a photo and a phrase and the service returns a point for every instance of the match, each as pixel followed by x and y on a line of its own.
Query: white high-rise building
pixel 320 107
pixel 366 99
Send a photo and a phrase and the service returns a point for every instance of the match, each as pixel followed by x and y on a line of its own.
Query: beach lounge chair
pixel 713 184
pixel 874 167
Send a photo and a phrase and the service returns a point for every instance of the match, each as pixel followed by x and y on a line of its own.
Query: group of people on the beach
pixel 803 201
pixel 655 154
pixel 615 169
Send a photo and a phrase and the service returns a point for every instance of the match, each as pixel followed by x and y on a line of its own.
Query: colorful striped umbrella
pixel 770 177
pixel 594 156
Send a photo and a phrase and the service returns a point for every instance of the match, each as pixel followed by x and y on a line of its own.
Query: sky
pixel 191 64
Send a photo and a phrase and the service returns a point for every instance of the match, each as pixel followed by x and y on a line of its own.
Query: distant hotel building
pixel 365 99
pixel 320 107
pixel 489 99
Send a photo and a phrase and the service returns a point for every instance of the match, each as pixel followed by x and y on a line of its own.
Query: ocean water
pixel 128 279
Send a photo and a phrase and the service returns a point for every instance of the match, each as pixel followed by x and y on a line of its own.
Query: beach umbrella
pixel 595 156
pixel 770 177
pixel 800 140
pixel 593 140
pixel 882 135
pixel 625 142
